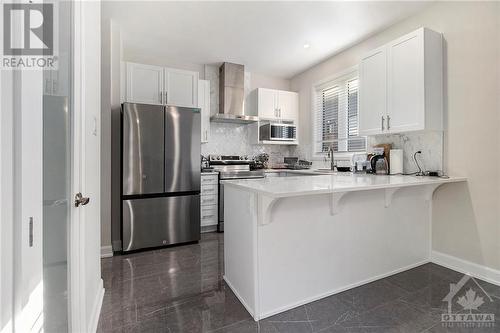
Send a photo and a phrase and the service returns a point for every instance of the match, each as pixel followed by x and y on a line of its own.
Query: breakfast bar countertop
pixel 339 182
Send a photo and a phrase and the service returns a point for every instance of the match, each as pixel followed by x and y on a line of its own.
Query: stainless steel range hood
pixel 231 95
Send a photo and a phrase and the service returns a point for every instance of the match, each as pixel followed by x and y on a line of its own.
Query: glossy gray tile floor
pixel 180 289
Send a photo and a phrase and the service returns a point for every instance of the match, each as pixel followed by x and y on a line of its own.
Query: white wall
pixel 258 80
pixel 152 59
pixel 466 217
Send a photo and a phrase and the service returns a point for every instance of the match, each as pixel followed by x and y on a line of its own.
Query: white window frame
pixel 345 74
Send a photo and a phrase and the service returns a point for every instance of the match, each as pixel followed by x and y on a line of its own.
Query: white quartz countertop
pixel 334 183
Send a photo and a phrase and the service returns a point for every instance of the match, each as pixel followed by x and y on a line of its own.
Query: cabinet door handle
pixel 166 98
pixel 161 97
pixel 388 122
pixel 382 123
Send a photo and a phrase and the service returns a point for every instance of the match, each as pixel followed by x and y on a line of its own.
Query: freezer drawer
pixel 143 148
pixel 162 221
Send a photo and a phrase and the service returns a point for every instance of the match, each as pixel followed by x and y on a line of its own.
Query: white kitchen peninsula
pixel 292 240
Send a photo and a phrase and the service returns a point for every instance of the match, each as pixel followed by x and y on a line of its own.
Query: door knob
pixel 81 200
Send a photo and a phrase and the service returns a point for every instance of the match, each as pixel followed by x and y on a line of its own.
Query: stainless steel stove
pixel 231 167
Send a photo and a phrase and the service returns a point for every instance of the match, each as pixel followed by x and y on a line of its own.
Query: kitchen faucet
pixel 330 156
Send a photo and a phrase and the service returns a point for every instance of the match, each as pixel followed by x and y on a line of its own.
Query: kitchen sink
pixel 287 174
pixel 325 170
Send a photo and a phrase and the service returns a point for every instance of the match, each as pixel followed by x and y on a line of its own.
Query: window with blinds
pixel 336 109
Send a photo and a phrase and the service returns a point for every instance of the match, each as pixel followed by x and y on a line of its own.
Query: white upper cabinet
pixel 373 92
pixel 181 87
pixel 288 105
pixel 271 104
pixel 144 83
pixel 406 83
pixel 159 85
pixel 404 92
pixel 204 105
pixel 267 103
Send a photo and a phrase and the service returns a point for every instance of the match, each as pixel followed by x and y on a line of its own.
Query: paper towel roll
pixel 396 158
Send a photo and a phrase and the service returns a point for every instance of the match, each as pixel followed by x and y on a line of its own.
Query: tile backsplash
pixel 233 139
pixel 429 142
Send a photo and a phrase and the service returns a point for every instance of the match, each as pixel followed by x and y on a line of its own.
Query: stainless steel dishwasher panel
pixel 153 222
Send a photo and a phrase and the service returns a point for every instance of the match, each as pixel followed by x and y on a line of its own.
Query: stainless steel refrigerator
pixel 161 175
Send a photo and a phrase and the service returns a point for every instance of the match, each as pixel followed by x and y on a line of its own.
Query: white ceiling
pixel 267 37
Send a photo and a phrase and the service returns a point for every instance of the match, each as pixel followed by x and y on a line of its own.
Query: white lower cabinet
pixel 209 207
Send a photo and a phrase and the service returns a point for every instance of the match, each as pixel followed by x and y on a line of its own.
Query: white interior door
pixel 87 291
pixel 51 259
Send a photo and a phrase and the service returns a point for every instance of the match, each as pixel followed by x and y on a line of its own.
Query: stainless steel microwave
pixel 278 132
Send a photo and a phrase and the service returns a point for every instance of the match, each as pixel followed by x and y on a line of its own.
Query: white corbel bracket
pixel 389 194
pixel 265 206
pixel 335 202
pixel 429 191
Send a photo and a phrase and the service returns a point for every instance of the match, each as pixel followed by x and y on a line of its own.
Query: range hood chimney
pixel 231 95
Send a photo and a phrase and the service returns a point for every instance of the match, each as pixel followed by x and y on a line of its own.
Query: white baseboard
pixel 482 272
pixel 245 305
pixel 96 309
pixel 106 251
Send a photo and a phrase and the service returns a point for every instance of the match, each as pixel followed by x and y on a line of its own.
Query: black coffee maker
pixel 378 162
